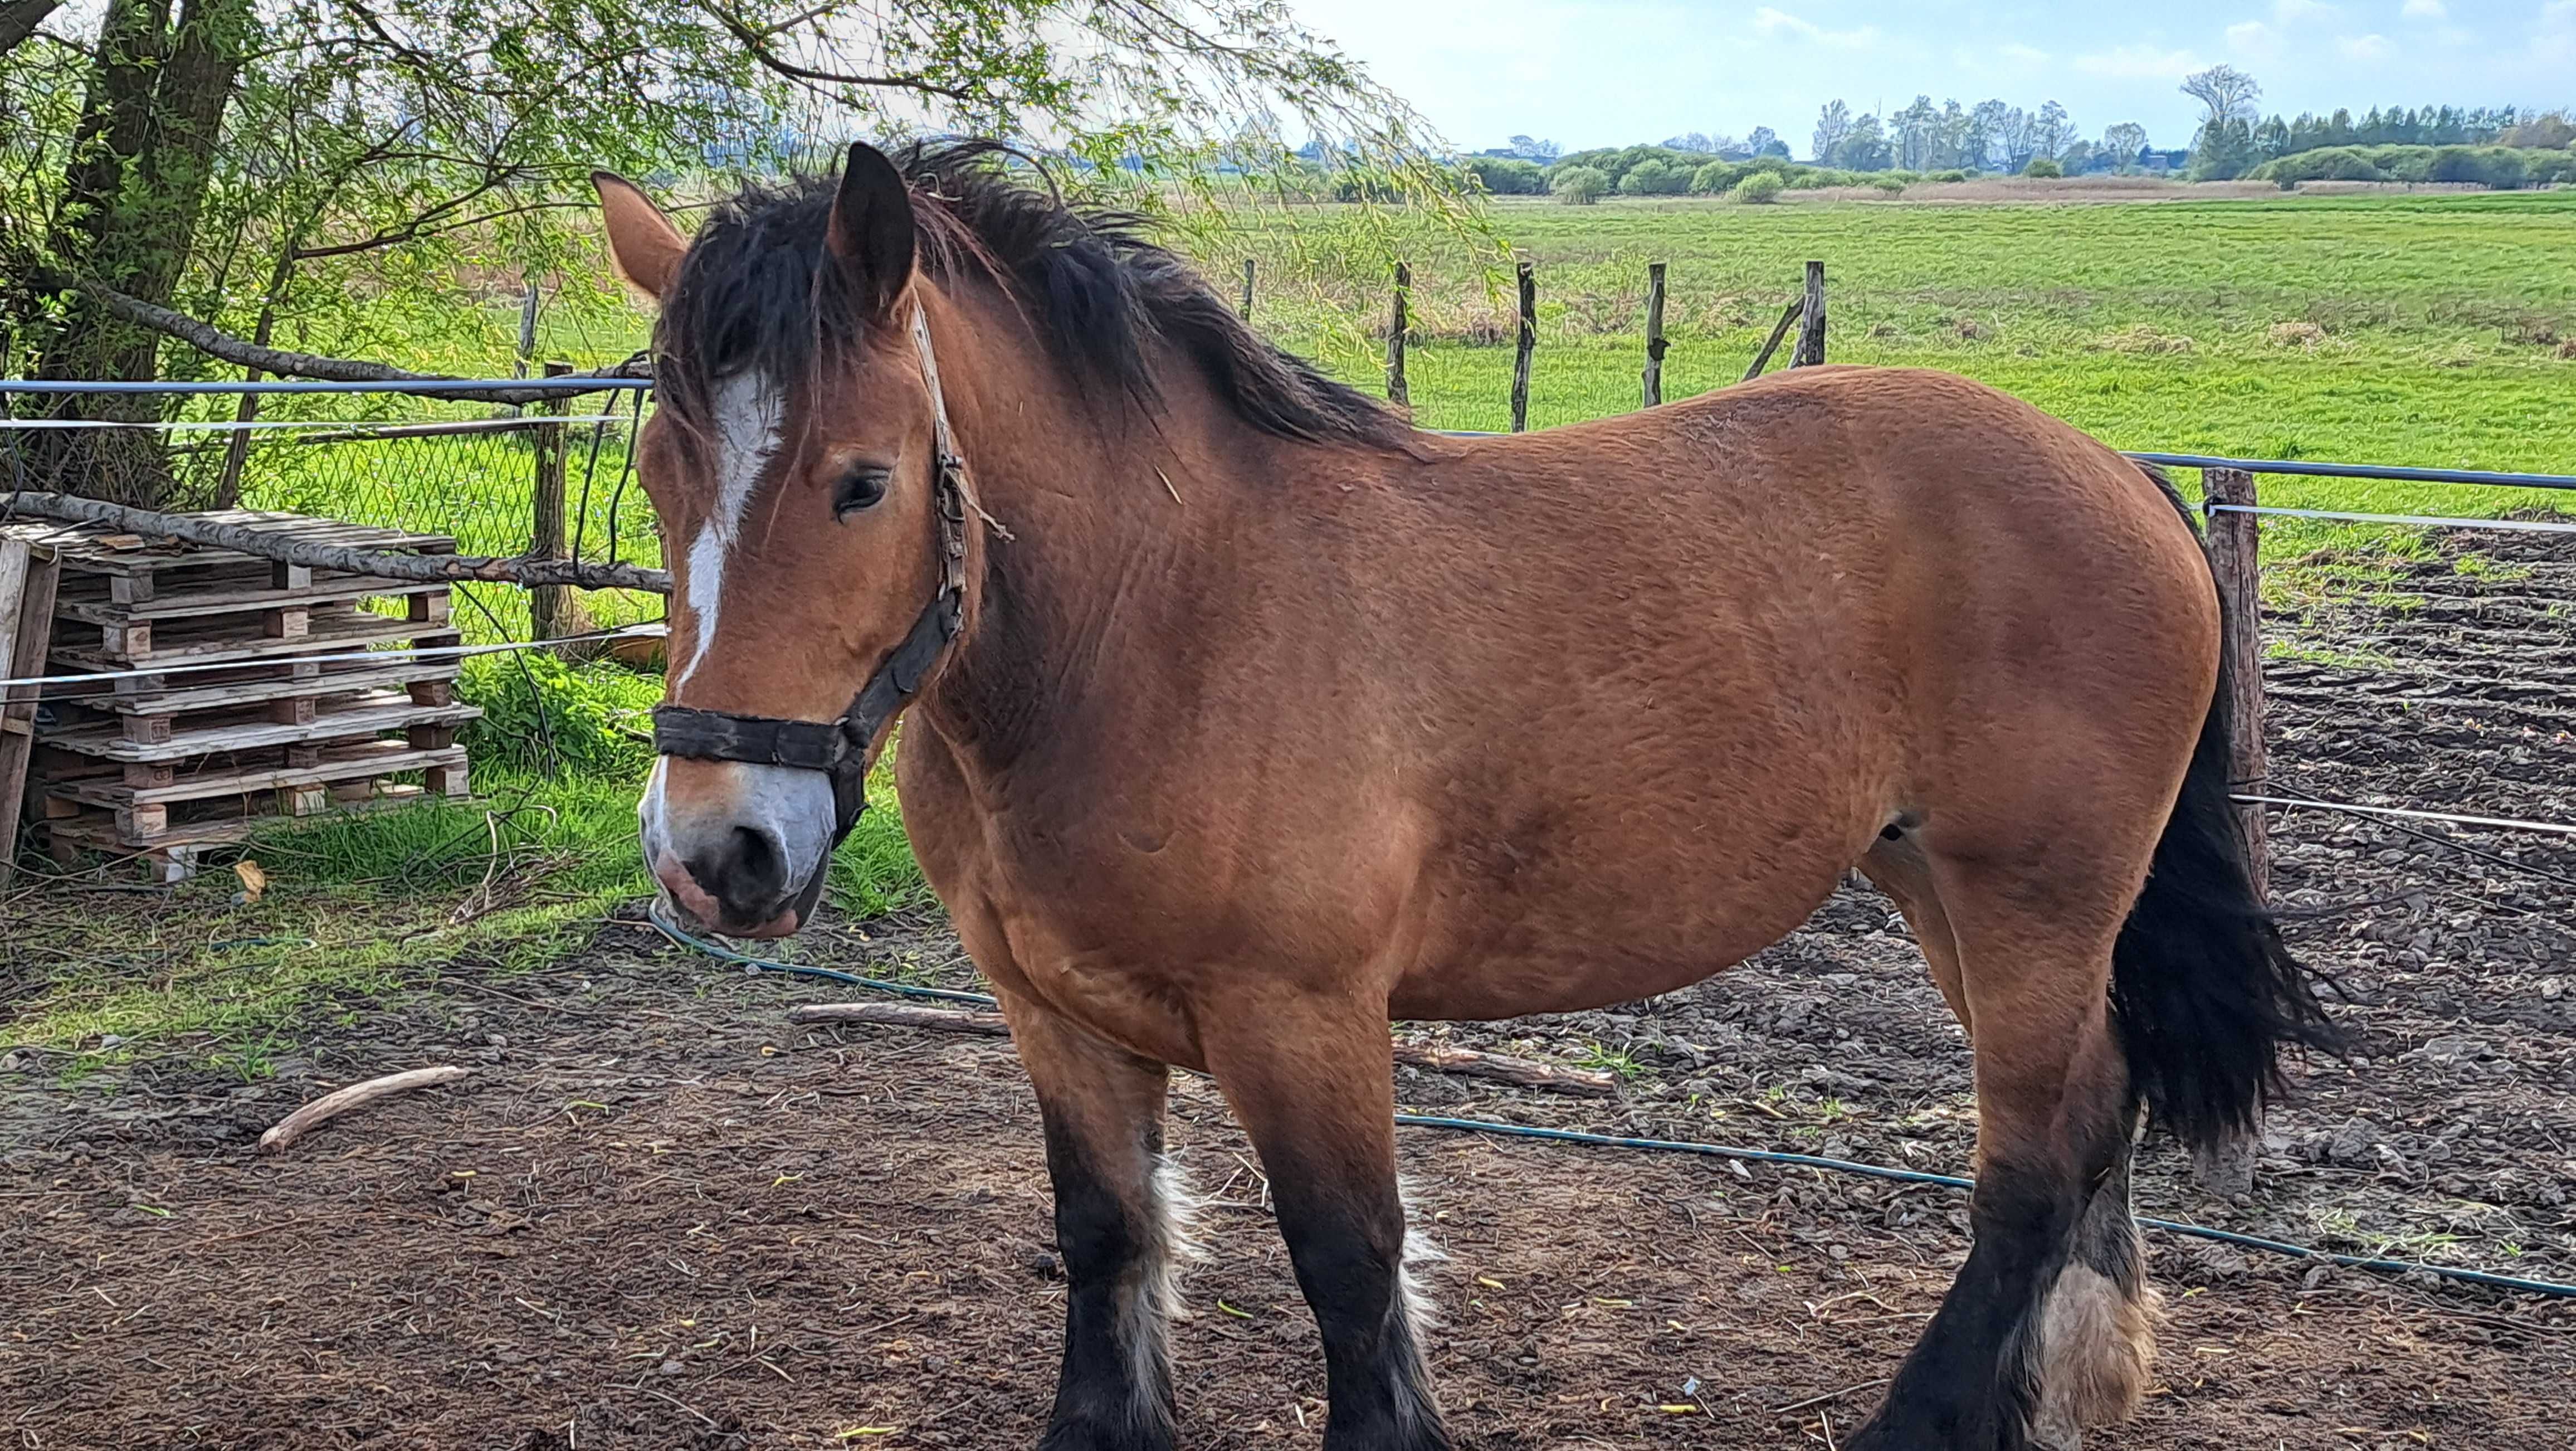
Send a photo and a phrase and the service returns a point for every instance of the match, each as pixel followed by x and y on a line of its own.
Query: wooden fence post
pixel 1396 326
pixel 1811 321
pixel 527 340
pixel 1521 353
pixel 549 604
pixel 1654 333
pixel 2226 1168
pixel 1247 289
pixel 2235 546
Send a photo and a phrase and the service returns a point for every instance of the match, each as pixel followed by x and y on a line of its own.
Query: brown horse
pixel 1243 717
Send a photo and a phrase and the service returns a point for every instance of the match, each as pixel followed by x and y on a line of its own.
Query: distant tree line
pixel 2493 146
pixel 2490 146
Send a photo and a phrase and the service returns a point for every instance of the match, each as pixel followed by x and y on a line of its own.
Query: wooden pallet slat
pixel 141 648
pixel 371 758
pixel 335 589
pixel 353 717
pixel 28 577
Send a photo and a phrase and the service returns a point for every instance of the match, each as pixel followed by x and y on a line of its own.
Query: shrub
pixel 2043 166
pixel 1579 186
pixel 1655 178
pixel 1719 177
pixel 1509 175
pixel 540 713
pixel 2491 166
pixel 2328 163
pixel 1888 184
pixel 1760 189
pixel 1364 184
pixel 1954 174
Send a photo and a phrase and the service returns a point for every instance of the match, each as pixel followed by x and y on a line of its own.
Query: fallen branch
pixel 903 1015
pixel 214 342
pixel 1465 1062
pixel 418 568
pixel 1762 359
pixel 1526 1072
pixel 356 1096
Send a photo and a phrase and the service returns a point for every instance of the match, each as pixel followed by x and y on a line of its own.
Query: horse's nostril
pixel 763 871
pixel 745 870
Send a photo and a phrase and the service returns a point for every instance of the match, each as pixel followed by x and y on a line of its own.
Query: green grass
pixel 2391 329
pixel 363 905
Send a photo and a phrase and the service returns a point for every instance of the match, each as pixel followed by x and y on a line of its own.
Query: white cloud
pixel 1775 23
pixel 2291 12
pixel 2020 54
pixel 2425 10
pixel 2254 40
pixel 2143 62
pixel 2365 48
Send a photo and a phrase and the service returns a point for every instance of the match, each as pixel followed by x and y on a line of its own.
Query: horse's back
pixel 1675 671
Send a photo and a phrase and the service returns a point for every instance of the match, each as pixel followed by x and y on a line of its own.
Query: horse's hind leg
pixel 1117 1225
pixel 2029 1309
pixel 2097 1325
pixel 1313 1083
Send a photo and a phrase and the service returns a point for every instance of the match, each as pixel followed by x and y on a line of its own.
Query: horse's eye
pixel 863 487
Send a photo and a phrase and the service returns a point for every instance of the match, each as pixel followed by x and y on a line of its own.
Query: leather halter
pixel 839 748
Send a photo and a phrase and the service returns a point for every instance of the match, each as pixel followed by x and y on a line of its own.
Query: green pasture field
pixel 2433 330
pixel 2397 329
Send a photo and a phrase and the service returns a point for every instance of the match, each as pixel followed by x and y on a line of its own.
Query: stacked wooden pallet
pixel 228 687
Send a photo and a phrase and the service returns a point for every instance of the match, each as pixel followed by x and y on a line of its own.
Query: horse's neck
pixel 1120 519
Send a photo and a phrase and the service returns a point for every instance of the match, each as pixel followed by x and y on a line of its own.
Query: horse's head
pixel 795 464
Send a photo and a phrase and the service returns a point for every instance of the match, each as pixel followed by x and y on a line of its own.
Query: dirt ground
pixel 659 1216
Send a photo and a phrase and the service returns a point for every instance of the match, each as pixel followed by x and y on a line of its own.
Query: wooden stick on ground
pixel 356 1096
pixel 1466 1062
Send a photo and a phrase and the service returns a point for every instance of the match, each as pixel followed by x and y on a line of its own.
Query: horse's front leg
pixel 1118 1225
pixel 1312 1082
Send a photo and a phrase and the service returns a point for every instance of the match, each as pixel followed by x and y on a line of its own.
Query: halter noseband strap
pixel 839 748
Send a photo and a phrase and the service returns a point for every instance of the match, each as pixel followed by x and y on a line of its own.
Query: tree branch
pixel 215 342
pixel 422 227
pixel 19 19
pixel 260 543
pixel 757 42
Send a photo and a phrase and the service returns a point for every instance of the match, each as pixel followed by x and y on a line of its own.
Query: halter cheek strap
pixel 839 748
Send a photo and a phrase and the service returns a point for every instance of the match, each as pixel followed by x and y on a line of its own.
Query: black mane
pixel 754 292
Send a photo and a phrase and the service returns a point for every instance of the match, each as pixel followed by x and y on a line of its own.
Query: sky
pixel 1621 71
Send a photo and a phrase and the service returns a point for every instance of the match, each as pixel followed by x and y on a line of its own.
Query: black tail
pixel 2203 991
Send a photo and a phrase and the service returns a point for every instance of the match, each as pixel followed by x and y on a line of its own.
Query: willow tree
pixel 190 182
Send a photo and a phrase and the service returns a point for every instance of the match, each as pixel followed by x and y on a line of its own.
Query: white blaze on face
pixel 748 413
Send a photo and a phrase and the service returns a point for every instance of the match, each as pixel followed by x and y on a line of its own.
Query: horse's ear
pixel 871 232
pixel 642 244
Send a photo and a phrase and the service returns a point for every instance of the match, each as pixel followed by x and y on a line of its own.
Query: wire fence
pixel 373 454
pixel 382 453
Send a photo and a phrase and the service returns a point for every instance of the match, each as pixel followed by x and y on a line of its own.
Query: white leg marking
pixel 1420 1251
pixel 2097 1355
pixel 1151 1298
pixel 748 413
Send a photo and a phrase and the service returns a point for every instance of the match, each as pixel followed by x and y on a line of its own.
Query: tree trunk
pixel 137 179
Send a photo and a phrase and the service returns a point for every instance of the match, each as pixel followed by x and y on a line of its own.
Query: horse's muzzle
pixel 744 850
